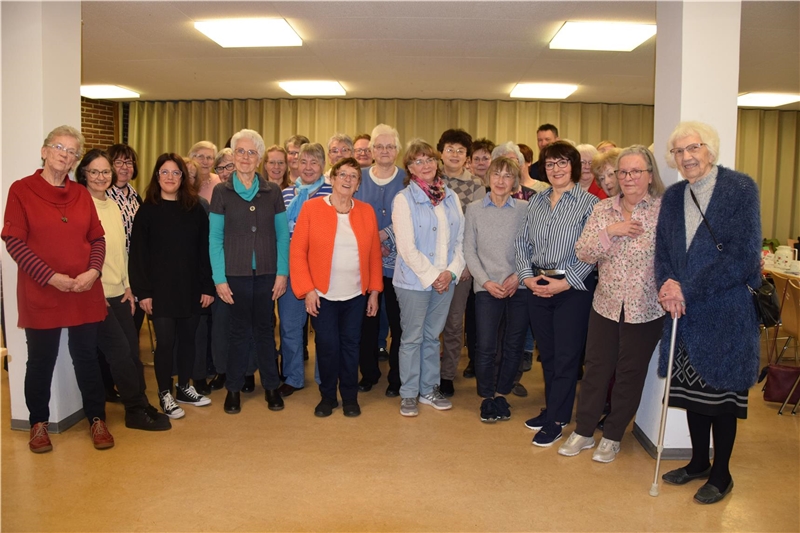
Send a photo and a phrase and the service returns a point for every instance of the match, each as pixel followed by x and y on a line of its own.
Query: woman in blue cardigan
pixel 708 243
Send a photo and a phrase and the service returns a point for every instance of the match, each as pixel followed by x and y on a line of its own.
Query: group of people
pixel 582 250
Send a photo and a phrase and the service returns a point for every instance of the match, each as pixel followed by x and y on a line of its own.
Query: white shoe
pixel 436 400
pixel 168 405
pixel 607 451
pixel 575 444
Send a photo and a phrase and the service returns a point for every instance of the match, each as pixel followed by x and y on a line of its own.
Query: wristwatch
pixel 453 274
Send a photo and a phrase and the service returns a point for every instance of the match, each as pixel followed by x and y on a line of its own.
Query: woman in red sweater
pixel 333 266
pixel 53 233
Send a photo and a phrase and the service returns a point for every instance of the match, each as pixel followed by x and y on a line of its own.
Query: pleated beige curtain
pixel 768 142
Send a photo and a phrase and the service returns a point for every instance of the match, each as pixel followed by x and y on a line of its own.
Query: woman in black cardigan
pixel 708 244
pixel 170 274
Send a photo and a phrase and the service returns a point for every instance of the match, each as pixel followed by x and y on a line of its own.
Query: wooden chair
pixel 789 314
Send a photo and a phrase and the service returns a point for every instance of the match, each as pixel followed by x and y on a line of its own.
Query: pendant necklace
pixel 63 212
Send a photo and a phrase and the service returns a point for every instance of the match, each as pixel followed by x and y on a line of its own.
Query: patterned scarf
pixel 434 191
pixel 302 192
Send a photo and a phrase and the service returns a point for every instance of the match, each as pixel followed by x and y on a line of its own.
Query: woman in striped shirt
pixel 560 285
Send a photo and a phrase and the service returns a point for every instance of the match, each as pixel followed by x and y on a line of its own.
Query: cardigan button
pixel 252 208
pixel 434 228
pixel 253 229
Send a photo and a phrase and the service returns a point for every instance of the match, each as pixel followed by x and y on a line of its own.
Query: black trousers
pixel 368 350
pixel 168 332
pixel 118 341
pixel 42 354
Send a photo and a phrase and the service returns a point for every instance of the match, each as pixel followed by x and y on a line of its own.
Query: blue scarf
pixel 246 194
pixel 302 192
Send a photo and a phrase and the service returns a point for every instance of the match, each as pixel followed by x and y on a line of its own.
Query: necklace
pixel 625 207
pixel 343 212
pixel 63 211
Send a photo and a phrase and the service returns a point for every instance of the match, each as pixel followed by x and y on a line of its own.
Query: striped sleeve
pixel 97 254
pixel 28 261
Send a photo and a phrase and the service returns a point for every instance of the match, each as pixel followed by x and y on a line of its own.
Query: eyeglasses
pixel 459 151
pixel 294 153
pixel 502 175
pixel 337 151
pixel 586 162
pixel 634 174
pixel 119 163
pixel 69 151
pixel 692 149
pixel 164 173
pixel 349 177
pixel 203 157
pixel 241 152
pixel 229 167
pixel 426 161
pixel 484 159
pixel 384 147
pixel 362 151
pixel 562 163
pixel 93 172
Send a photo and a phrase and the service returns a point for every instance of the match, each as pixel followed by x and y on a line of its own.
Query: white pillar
pixel 41 76
pixel 697 78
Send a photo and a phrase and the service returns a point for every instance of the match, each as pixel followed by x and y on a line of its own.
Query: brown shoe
pixel 101 438
pixel 287 390
pixel 40 440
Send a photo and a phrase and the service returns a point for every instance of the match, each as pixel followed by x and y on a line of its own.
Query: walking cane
pixel 664 406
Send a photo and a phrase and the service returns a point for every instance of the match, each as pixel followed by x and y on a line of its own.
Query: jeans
pixel 42 355
pixel 422 315
pixel 368 360
pixel 511 314
pixel 251 318
pixel 292 313
pixel 338 332
pixel 615 348
pixel 220 325
pixel 559 324
pixel 168 332
pixel 118 341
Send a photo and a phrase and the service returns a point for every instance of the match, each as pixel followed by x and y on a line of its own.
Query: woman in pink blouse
pixel 626 320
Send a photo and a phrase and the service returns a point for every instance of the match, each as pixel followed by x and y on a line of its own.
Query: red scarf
pixel 434 191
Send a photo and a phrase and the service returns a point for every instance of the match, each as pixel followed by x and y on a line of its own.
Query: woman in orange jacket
pixel 336 267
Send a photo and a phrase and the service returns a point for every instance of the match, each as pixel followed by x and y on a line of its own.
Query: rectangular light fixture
pixel 544 91
pixel 766 99
pixel 313 88
pixel 607 36
pixel 249 32
pixel 106 92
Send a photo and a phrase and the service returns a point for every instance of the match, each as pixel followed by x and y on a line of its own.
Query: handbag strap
pixel 705 220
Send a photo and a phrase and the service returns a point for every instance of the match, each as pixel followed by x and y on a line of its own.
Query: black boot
pixel 233 403
pixel 274 400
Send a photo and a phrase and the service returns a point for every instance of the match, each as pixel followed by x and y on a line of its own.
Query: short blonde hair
pixel 708 136
pixel 66 131
pixel 202 145
pixel 509 164
pixel 384 129
pixel 604 158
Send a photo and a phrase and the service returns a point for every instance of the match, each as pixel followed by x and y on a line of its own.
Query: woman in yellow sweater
pixel 117 337
pixel 333 266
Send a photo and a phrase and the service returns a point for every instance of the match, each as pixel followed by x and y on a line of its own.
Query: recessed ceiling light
pixel 546 91
pixel 608 36
pixel 106 92
pixel 766 99
pixel 313 88
pixel 249 33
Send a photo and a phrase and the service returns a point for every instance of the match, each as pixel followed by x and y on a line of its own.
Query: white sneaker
pixel 436 400
pixel 187 394
pixel 575 444
pixel 408 407
pixel 168 405
pixel 607 451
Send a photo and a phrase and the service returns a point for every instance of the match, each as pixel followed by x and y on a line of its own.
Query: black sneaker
pixel 392 392
pixel 383 355
pixel 187 394
pixel 147 420
pixel 503 409
pixel 446 387
pixel 488 411
pixel 539 421
pixel 325 408
pixel 469 371
pixel 548 435
pixel 351 409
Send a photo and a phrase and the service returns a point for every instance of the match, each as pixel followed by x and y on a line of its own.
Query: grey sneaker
pixel 607 451
pixel 408 407
pixel 436 400
pixel 575 444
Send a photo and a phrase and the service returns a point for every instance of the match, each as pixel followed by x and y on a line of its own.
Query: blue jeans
pixel 251 318
pixel 292 313
pixel 512 315
pixel 422 317
pixel 338 334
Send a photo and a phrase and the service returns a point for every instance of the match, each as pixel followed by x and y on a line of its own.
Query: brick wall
pixel 99 123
